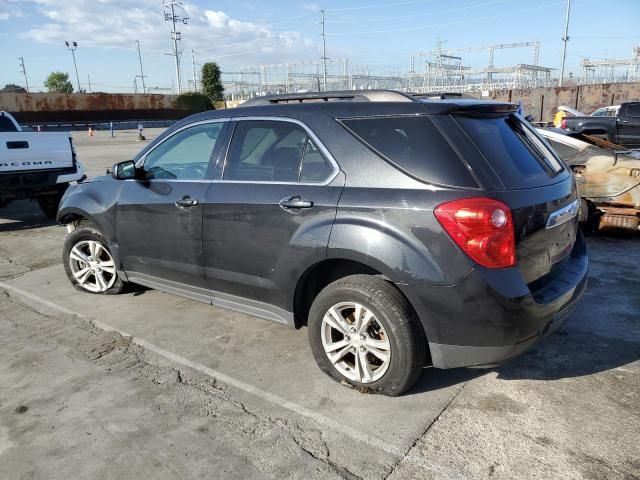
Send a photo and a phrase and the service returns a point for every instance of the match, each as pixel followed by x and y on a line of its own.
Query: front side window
pixel 185 155
pixel 274 151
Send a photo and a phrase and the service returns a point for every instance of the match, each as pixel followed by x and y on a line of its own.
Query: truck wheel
pixel 49 204
pixel 88 262
pixel 364 332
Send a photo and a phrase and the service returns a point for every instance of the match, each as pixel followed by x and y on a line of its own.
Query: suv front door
pixel 268 213
pixel 160 213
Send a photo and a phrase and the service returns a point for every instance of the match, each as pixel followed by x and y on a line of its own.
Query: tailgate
pixel 533 182
pixel 20 151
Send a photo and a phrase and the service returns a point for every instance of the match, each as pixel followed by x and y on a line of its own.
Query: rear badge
pixel 563 215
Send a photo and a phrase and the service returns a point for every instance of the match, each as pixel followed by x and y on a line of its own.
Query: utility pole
pixel 175 35
pixel 565 39
pixel 193 65
pixel 135 85
pixel 324 53
pixel 24 72
pixel 144 88
pixel 73 46
pixel 89 82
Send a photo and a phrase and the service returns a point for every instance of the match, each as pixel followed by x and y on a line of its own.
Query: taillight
pixel 563 124
pixel 483 228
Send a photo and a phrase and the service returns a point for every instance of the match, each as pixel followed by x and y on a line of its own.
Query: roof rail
pixel 336 96
pixel 442 95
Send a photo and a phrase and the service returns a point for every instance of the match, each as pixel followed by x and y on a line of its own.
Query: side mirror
pixel 124 170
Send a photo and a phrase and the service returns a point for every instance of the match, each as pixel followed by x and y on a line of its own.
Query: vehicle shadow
pixel 572 353
pixel 23 215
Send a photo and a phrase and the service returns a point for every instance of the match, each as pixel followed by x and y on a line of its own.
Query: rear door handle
pixel 186 202
pixel 295 202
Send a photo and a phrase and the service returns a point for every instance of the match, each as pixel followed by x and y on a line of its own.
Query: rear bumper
pixel 488 317
pixel 33 183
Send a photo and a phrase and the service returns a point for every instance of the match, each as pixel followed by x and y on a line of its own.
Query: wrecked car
pixel 608 180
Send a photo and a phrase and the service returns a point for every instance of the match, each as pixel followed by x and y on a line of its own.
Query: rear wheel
pixel 88 262
pixel 364 332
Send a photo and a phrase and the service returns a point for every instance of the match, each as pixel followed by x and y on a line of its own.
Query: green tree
pixel 12 87
pixel 211 81
pixel 58 82
pixel 194 102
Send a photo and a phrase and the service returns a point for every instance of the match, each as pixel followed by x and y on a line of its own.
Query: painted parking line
pixel 258 392
pixel 443 471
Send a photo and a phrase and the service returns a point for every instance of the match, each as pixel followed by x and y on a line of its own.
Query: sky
pixel 379 34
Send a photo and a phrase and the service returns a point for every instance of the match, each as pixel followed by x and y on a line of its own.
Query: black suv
pixel 404 232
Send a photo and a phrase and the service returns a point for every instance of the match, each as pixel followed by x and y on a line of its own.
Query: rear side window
pixel 515 152
pixel 633 110
pixel 415 145
pixel 274 151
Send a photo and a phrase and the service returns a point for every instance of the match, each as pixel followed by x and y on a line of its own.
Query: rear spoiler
pixel 484 107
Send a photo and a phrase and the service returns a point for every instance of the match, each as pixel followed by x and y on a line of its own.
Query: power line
pixel 395 4
pixel 399 17
pixel 479 19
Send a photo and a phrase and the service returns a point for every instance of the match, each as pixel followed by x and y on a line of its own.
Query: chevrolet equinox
pixel 403 231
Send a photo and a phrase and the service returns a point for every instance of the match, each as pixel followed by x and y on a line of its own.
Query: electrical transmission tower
pixel 170 16
pixel 24 72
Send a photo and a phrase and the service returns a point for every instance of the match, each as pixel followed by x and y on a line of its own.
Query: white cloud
pixel 116 24
pixel 8 9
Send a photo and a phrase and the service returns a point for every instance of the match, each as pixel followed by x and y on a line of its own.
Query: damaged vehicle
pixel 608 180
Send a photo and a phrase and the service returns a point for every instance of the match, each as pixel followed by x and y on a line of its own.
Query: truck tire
pixel 88 262
pixel 364 332
pixel 49 203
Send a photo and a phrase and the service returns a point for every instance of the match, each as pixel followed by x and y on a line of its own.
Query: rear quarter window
pixel 415 146
pixel 516 154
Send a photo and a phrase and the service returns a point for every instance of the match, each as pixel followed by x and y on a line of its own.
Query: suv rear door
pixel 269 212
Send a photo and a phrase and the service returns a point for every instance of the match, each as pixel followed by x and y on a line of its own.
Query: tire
pixel 384 306
pixel 77 258
pixel 49 204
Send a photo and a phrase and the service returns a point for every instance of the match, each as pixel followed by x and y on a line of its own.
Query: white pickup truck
pixel 35 165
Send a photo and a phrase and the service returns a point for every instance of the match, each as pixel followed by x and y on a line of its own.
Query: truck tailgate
pixel 21 151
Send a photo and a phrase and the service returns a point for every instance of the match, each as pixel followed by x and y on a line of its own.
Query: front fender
pixel 96 203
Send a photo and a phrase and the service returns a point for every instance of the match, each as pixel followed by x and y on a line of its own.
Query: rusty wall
pixel 62 107
pixel 541 102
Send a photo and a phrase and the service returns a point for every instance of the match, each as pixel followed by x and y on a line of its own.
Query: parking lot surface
pixel 150 385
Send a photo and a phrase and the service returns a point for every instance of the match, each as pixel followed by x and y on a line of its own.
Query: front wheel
pixel 88 262
pixel 364 332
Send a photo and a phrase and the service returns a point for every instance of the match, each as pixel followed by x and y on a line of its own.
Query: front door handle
pixel 295 202
pixel 186 202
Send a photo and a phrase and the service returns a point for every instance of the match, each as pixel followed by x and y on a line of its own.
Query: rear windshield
pixel 512 148
pixel 6 125
pixel 415 145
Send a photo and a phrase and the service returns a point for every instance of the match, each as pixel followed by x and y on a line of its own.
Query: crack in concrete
pixel 425 432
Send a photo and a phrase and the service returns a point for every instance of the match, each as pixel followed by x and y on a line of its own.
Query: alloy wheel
pixel 355 342
pixel 92 266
